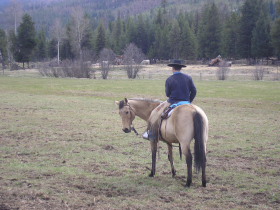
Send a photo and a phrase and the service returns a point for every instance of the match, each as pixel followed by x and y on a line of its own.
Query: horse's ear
pixel 117 103
pixel 126 101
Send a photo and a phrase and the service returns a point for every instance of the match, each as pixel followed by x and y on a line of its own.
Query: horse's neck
pixel 143 109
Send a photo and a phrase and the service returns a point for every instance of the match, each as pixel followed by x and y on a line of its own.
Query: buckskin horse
pixel 185 123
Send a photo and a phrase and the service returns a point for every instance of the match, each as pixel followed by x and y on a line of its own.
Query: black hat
pixel 178 63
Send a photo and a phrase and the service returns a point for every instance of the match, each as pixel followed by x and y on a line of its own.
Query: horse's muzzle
pixel 126 130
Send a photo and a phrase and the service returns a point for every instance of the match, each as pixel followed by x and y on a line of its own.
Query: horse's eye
pixel 127 112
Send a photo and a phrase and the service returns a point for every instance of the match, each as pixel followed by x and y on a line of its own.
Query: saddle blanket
pixel 170 109
pixel 179 104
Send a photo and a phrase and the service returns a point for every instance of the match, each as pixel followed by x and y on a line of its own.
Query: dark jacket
pixel 180 87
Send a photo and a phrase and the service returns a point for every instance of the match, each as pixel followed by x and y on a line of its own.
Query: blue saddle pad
pixel 179 104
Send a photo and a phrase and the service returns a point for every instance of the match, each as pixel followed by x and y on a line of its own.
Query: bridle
pixel 132 126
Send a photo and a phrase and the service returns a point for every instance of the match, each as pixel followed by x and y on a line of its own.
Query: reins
pixel 135 131
pixel 132 126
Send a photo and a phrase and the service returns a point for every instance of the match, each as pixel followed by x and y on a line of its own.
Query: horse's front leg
pixel 170 158
pixel 154 155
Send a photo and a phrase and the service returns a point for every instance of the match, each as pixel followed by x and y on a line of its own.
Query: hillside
pixel 44 12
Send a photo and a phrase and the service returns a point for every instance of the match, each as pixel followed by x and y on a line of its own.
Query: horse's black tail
pixel 199 147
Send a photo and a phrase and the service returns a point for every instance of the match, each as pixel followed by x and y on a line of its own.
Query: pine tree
pixel 100 41
pixel 261 39
pixel 209 34
pixel 52 49
pixel 26 40
pixel 161 46
pixel 188 42
pixel 66 50
pixel 175 40
pixel 275 35
pixel 249 17
pixel 118 36
pixel 3 47
pixel 230 37
pixel 141 37
pixel 41 46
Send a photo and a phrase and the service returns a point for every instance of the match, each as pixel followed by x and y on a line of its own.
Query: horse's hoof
pixel 203 184
pixel 173 173
pixel 188 184
pixel 151 175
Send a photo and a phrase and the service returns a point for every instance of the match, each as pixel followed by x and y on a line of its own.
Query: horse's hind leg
pixel 170 158
pixel 189 165
pixel 154 155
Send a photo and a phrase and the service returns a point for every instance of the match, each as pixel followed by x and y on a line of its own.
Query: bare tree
pixel 78 29
pixel 106 59
pixel 58 34
pixel 222 73
pixel 17 11
pixel 132 60
pixel 258 73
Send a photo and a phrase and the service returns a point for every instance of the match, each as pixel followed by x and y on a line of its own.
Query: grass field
pixel 61 147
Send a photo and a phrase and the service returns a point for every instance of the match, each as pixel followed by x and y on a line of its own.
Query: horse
pixel 185 123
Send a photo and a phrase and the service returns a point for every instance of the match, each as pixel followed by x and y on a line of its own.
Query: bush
pixel 66 68
pixel 222 73
pixel 258 73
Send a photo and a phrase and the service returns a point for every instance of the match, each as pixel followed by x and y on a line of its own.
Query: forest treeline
pixel 250 32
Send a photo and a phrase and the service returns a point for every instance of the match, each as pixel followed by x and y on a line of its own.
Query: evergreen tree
pixel 275 34
pixel 230 37
pixel 100 41
pixel 3 46
pixel 118 36
pixel 261 40
pixel 26 40
pixel 174 40
pixel 209 34
pixel 141 37
pixel 52 49
pixel 249 17
pixel 188 42
pixel 66 51
pixel 41 46
pixel 161 46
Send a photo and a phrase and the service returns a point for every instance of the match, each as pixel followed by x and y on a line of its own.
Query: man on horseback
pixel 179 88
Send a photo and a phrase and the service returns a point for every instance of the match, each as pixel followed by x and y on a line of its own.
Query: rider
pixel 178 88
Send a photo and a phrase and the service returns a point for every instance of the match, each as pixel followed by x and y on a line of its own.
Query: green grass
pixel 62 147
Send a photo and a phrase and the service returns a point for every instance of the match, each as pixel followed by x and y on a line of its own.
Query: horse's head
pixel 127 114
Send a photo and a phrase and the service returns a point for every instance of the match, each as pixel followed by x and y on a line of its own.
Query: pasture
pixel 62 147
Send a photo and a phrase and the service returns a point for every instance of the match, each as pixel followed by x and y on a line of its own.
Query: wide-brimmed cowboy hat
pixel 176 63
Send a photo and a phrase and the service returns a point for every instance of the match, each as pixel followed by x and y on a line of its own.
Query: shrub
pixel 66 68
pixel 258 73
pixel 222 73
